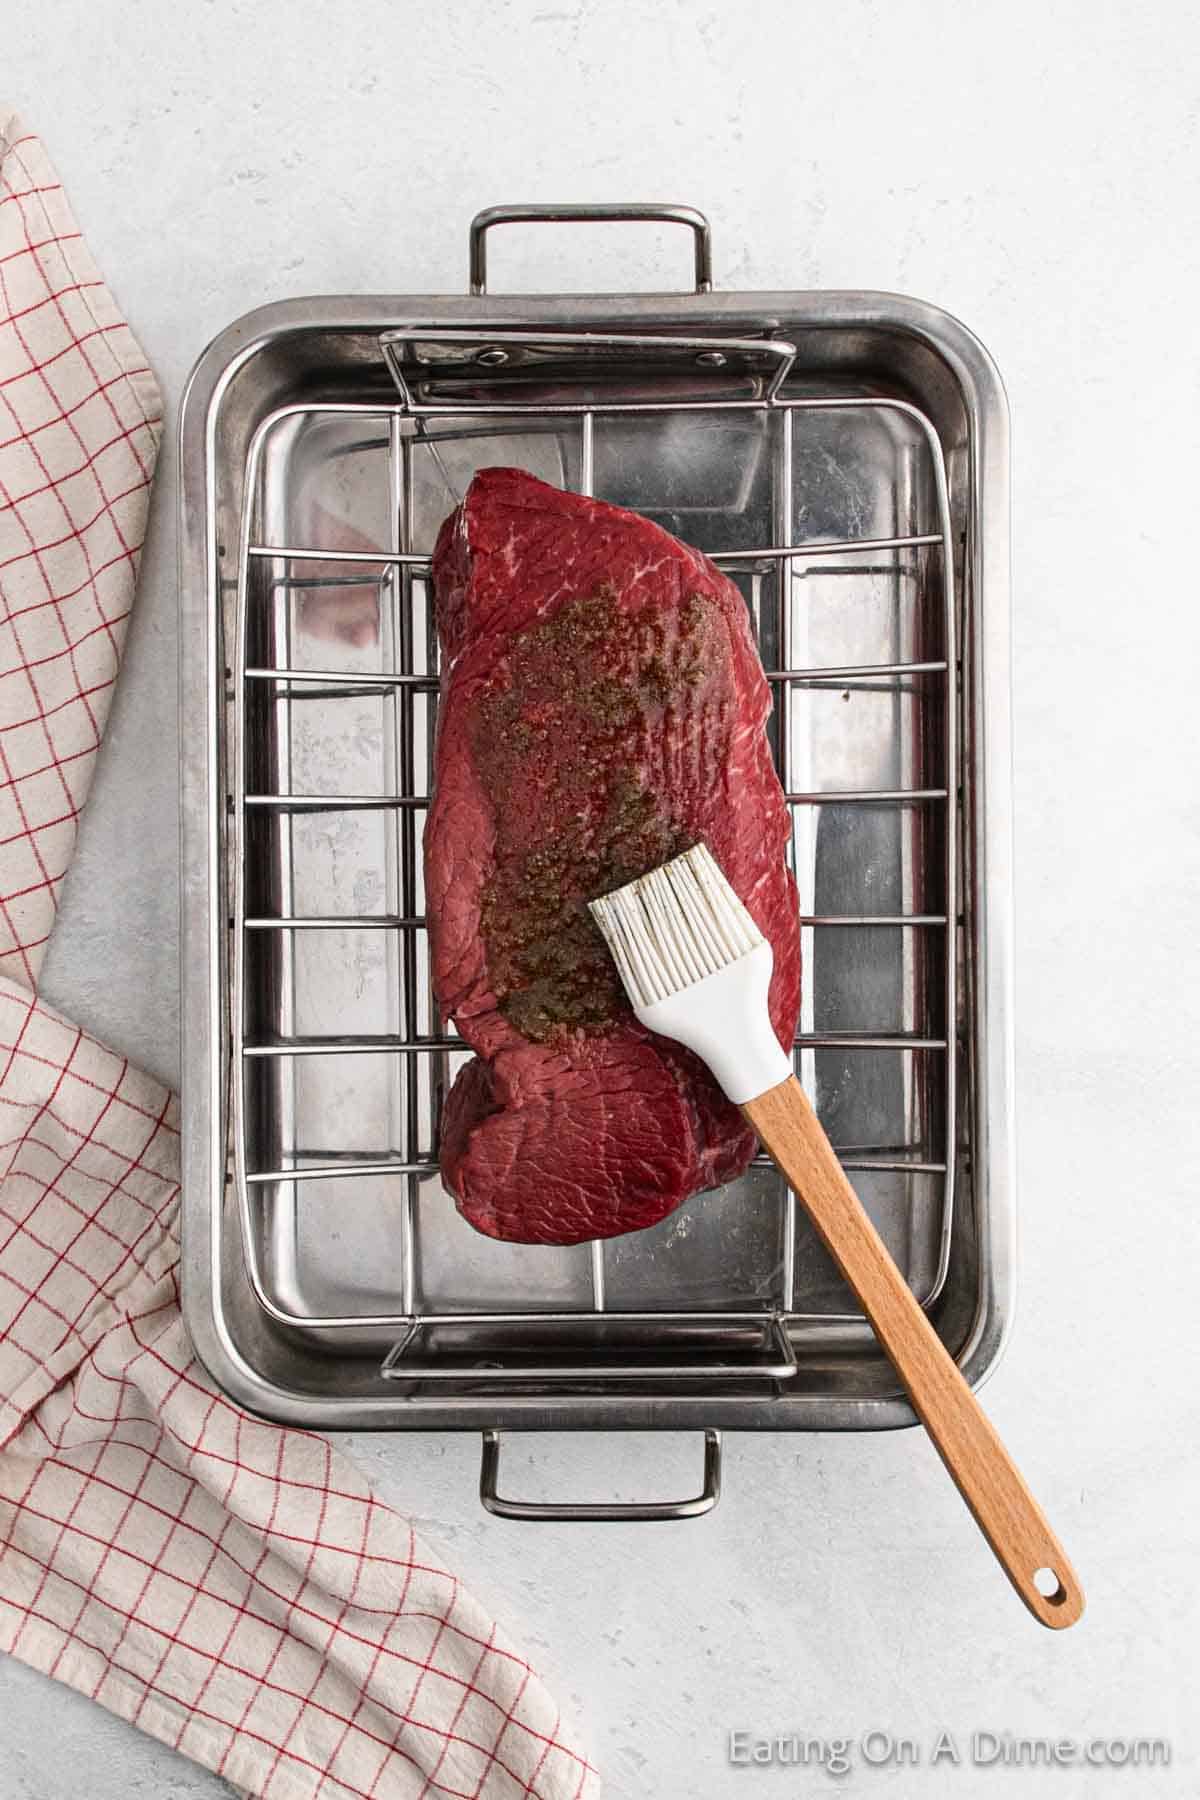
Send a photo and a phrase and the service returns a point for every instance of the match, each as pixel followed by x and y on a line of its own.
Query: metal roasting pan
pixel 844 456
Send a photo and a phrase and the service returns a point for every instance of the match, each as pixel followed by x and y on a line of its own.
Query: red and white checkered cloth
pixel 230 1586
pixel 80 421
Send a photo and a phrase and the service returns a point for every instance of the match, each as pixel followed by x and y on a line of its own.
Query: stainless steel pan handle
pixel 695 221
pixel 639 1510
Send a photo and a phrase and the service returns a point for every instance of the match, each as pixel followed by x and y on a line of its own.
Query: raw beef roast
pixel 602 709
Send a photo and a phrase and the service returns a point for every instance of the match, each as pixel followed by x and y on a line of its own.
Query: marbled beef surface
pixel 602 709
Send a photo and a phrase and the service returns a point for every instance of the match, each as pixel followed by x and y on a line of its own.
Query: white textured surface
pixel 1035 169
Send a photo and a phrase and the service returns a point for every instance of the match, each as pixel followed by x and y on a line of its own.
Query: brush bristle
pixel 673 927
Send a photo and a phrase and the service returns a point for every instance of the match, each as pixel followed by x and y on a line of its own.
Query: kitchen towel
pixel 80 421
pixel 230 1586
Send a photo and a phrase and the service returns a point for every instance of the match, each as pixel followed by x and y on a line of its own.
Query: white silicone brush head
pixel 697 968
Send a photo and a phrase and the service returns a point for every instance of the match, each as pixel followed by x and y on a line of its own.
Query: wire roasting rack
pixel 576 394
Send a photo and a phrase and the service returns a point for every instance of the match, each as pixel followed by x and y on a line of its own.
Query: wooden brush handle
pixel 987 1478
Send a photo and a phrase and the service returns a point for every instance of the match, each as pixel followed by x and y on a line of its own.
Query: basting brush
pixel 697 969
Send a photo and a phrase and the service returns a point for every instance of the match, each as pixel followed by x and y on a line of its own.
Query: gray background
pixel 1035 169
